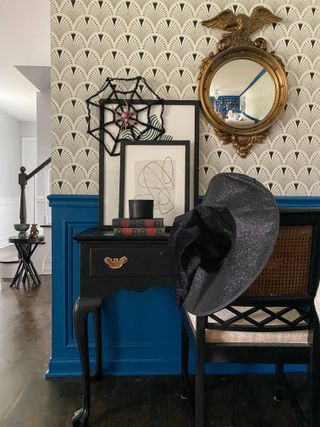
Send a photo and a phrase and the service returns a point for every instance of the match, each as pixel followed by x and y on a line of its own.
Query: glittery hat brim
pixel 256 215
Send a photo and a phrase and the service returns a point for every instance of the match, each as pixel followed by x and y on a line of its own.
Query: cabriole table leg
pixel 81 309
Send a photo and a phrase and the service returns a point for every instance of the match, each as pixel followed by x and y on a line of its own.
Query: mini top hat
pixel 221 246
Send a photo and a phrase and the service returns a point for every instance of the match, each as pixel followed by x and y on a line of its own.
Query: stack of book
pixel 128 227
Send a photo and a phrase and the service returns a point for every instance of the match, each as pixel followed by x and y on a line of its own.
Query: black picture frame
pixel 182 113
pixel 154 154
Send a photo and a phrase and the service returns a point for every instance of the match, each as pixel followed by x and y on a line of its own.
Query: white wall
pixel 10 159
pixel 29 160
pixel 28 129
pixel 43 125
pixel 44 151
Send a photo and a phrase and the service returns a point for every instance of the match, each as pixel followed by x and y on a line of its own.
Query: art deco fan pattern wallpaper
pixel 164 42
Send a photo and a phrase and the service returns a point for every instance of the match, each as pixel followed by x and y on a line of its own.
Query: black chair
pixel 274 321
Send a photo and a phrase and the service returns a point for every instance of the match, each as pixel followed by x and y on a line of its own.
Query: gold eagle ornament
pixel 240 27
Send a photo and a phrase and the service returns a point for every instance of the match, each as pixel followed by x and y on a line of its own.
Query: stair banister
pixel 22 180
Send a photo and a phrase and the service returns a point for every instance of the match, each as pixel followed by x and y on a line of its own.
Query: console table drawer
pixel 126 261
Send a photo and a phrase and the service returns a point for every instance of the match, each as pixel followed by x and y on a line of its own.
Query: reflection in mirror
pixel 242 93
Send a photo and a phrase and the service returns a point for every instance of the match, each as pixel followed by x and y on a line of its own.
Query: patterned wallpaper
pixel 165 42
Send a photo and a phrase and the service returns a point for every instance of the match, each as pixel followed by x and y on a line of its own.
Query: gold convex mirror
pixel 242 88
pixel 242 93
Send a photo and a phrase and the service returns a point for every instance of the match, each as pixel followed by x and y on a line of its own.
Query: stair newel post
pixel 23 178
pixel 22 227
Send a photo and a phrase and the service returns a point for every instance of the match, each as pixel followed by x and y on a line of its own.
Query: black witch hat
pixel 221 246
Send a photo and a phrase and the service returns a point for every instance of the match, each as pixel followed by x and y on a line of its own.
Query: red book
pixel 135 231
pixel 137 223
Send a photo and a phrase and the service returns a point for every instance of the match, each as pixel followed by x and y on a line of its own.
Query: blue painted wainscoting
pixel 141 331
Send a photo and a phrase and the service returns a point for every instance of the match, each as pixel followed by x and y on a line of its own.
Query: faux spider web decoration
pixel 121 115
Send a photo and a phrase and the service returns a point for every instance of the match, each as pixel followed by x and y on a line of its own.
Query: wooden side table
pixel 109 263
pixel 26 270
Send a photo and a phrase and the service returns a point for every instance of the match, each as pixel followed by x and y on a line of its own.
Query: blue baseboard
pixel 141 331
pixel 117 367
pixel 72 368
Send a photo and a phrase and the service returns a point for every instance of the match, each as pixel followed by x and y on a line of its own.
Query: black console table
pixel 26 268
pixel 109 263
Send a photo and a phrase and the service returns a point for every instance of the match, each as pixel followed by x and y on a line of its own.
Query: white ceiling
pixel 234 77
pixel 24 41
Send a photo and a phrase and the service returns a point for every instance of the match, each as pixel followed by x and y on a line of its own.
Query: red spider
pixel 125 116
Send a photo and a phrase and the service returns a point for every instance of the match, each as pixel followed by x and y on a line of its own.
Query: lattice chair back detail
pixel 274 321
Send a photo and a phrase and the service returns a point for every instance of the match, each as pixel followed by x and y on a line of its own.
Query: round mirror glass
pixel 242 93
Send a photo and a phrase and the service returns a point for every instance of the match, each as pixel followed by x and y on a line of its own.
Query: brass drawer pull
pixel 115 263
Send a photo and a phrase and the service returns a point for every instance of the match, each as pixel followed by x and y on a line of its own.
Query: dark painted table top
pixel 95 234
pixel 33 240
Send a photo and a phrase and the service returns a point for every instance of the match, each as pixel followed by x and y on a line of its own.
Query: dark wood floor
pixel 27 399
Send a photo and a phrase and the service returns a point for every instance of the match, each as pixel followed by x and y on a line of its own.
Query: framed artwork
pixel 156 170
pixel 144 121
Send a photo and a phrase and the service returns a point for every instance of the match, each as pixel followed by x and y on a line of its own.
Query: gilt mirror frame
pixel 230 48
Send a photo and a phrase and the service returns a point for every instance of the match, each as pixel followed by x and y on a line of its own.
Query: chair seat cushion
pixel 232 336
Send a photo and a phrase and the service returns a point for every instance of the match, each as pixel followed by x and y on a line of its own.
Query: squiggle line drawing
pixel 156 180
